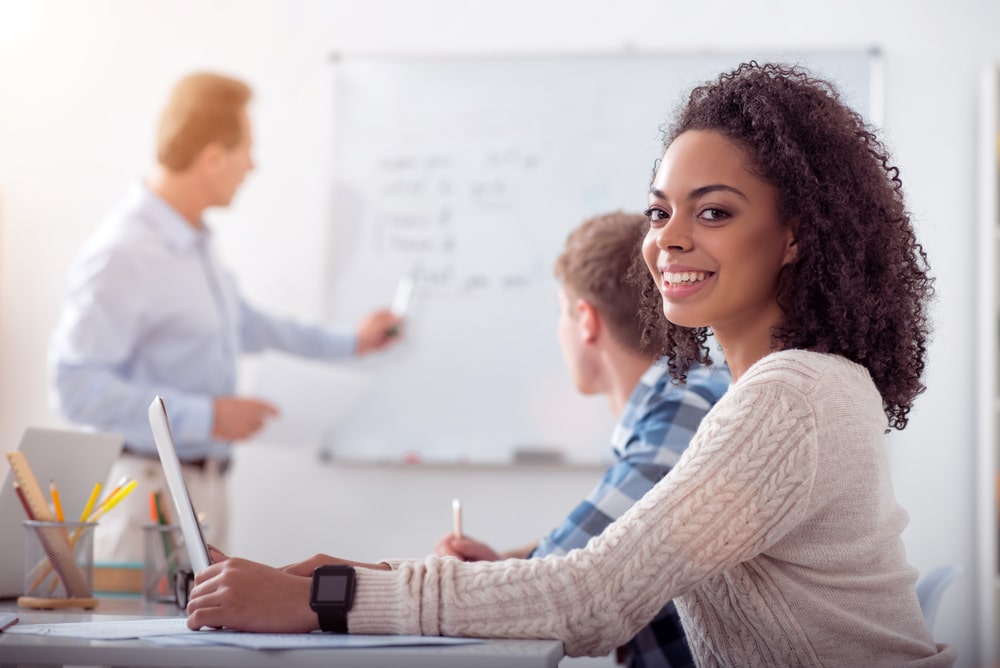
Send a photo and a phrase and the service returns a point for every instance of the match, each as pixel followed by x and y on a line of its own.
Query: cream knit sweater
pixel 777 534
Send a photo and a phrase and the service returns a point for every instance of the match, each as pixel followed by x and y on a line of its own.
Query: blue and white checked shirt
pixel 149 311
pixel 655 428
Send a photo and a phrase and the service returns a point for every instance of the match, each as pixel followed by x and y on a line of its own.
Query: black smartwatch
pixel 331 596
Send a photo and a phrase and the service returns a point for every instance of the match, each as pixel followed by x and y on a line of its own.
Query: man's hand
pixel 239 418
pixel 377 331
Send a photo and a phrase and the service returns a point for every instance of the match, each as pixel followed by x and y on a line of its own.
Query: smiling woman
pixel 857 285
pixel 716 244
pixel 777 533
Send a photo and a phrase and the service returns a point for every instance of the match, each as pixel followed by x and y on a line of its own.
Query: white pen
pixel 401 300
pixel 456 510
pixel 404 290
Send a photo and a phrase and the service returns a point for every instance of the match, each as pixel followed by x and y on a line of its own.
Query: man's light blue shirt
pixel 149 311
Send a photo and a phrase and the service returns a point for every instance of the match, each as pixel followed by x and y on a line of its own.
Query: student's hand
pixel 238 418
pixel 465 549
pixel 378 330
pixel 215 555
pixel 246 596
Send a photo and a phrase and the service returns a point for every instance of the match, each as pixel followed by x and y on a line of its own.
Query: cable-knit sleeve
pixel 741 485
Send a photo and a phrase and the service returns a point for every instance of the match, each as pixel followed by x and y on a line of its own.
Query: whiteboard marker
pixel 401 300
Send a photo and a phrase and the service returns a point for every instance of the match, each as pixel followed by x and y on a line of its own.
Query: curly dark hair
pixel 859 285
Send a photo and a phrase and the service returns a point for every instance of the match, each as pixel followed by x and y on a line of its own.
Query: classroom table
pixel 21 650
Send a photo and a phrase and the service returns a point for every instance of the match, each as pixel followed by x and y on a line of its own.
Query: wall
pixel 80 87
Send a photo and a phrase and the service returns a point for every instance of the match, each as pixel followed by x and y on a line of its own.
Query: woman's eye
pixel 714 214
pixel 656 215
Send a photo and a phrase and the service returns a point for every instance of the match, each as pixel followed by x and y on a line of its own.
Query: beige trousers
pixel 118 537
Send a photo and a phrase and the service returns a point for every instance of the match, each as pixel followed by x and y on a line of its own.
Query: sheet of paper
pixel 118 629
pixel 173 631
pixel 312 396
pixel 7 619
pixel 302 640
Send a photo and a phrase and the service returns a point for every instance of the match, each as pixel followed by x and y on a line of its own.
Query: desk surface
pixel 42 650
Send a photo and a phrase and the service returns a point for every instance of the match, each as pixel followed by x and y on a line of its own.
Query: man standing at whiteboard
pixel 150 311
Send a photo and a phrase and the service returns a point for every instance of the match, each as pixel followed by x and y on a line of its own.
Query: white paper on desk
pixel 301 640
pixel 118 629
pixel 312 396
pixel 173 631
pixel 7 619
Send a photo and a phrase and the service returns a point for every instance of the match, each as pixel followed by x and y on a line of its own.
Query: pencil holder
pixel 163 555
pixel 58 565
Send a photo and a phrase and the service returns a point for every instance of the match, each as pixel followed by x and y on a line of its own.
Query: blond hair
pixel 203 108
pixel 594 266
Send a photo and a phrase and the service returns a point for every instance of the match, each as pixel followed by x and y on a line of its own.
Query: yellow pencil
pixel 113 501
pixel 90 502
pixel 114 490
pixel 56 501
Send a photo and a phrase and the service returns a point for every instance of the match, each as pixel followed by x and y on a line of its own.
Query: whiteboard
pixel 470 172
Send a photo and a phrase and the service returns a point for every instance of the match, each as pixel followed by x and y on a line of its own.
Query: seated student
pixel 777 220
pixel 606 349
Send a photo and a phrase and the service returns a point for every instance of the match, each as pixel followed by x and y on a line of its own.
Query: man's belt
pixel 199 464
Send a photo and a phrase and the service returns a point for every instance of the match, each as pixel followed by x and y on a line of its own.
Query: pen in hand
pixel 456 509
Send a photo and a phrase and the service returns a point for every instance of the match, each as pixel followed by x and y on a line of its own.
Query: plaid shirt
pixel 657 424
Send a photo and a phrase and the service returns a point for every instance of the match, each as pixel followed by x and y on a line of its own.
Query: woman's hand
pixel 215 555
pixel 246 596
pixel 307 566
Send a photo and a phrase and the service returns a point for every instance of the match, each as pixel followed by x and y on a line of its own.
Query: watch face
pixel 332 588
pixel 331 596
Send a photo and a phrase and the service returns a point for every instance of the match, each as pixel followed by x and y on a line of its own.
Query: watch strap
pixel 332 620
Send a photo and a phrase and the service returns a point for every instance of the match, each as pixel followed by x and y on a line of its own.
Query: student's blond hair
pixel 594 266
pixel 203 108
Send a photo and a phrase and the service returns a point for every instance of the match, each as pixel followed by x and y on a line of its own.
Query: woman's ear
pixel 792 242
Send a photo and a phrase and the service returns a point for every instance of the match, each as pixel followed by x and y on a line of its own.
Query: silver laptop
pixel 74 460
pixel 186 517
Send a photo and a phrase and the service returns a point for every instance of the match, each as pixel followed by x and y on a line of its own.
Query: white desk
pixel 46 651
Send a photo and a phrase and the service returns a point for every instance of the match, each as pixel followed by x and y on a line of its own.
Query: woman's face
pixel 715 244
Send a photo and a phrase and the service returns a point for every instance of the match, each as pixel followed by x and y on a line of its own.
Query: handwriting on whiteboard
pixel 456 219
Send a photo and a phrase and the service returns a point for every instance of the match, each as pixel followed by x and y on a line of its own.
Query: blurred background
pixel 81 86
